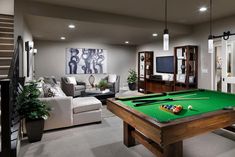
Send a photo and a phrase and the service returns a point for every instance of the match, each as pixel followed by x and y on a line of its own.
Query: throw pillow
pixel 112 78
pixel 50 80
pixel 72 80
pixel 50 93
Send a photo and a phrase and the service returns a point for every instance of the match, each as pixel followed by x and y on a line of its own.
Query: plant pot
pixel 102 88
pixel 132 86
pixel 34 129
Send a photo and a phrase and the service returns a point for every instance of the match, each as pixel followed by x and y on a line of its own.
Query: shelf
pixel 190 62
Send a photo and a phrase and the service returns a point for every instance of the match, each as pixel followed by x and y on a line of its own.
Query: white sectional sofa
pixel 65 110
pixel 68 111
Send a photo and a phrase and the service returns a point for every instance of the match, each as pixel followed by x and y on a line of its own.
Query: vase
pixel 34 128
pixel 132 86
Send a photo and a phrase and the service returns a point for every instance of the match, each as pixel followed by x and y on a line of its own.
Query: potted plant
pixel 33 110
pixel 132 78
pixel 103 84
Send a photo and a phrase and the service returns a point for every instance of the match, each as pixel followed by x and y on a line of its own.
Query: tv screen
pixel 165 64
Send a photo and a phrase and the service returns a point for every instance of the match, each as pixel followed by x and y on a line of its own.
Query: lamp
pixel 210 38
pixel 166 32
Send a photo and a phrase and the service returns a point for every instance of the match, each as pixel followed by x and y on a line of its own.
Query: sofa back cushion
pixel 72 80
pixel 112 78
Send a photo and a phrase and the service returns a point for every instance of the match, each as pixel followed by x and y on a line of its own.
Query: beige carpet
pixel 106 140
pixel 106 113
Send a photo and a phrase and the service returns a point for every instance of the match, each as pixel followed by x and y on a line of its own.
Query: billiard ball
pixel 190 107
pixel 179 106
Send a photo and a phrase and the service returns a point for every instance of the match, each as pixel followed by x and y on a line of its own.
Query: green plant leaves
pixel 132 78
pixel 29 105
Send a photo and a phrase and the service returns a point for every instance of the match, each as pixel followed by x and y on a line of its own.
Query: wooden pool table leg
pixel 129 140
pixel 173 150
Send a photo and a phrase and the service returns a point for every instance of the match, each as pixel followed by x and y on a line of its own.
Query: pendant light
pixel 210 38
pixel 166 32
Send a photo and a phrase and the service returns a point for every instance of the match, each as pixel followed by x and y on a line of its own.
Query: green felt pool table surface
pixel 211 101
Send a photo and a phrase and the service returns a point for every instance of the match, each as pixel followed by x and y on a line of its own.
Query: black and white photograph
pixel 86 61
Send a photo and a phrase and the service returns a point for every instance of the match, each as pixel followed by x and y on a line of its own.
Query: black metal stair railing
pixel 10 120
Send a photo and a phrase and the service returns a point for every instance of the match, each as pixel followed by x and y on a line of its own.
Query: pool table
pixel 163 132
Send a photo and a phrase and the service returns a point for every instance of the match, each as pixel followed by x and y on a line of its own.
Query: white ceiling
pixel 180 11
pixel 183 12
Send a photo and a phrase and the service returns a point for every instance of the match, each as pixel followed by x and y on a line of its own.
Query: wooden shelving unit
pixel 186 67
pixel 145 69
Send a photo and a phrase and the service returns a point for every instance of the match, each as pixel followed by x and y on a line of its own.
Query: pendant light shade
pixel 166 40
pixel 210 44
pixel 210 38
pixel 166 32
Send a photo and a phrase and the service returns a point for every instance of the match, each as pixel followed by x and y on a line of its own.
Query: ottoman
pixel 86 110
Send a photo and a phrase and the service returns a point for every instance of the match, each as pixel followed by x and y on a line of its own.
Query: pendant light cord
pixel 165 14
pixel 210 17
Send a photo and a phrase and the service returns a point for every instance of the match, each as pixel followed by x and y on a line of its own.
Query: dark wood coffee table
pixel 99 95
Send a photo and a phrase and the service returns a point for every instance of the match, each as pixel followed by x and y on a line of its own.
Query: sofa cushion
pixel 84 104
pixel 72 80
pixel 112 78
pixel 79 87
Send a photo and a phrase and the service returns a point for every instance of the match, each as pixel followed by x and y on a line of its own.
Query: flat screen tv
pixel 165 64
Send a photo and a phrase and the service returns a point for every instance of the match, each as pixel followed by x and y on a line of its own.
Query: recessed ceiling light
pixel 126 42
pixel 154 34
pixel 203 9
pixel 71 26
pixel 62 38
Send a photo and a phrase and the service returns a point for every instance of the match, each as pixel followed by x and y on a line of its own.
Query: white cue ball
pixel 190 107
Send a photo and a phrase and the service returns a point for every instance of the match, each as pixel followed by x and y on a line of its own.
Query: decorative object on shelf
pixel 142 58
pixel 91 81
pixel 86 61
pixel 103 84
pixel 33 110
pixel 145 69
pixel 225 34
pixel 186 67
pixel 166 32
pixel 132 78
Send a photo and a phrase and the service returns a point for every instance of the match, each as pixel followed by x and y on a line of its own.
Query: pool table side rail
pixel 196 125
pixel 139 121
pixel 173 131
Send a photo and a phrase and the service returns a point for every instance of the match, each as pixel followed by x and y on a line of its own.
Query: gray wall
pixel 21 29
pixel 50 59
pixel 7 7
pixel 198 37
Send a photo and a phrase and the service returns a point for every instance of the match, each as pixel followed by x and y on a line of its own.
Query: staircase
pixel 6 43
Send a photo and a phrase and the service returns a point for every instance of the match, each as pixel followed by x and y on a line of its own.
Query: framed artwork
pixel 86 61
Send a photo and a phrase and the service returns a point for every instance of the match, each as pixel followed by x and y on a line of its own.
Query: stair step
pixel 2 19
pixel 6 53
pixel 5 61
pixel 4 67
pixel 6 29
pixel 4 70
pixel 6 40
pixel 8 35
pixel 6 24
pixel 6 16
pixel 6 46
pixel 3 76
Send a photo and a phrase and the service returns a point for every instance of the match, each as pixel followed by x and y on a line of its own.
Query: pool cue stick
pixel 146 102
pixel 141 100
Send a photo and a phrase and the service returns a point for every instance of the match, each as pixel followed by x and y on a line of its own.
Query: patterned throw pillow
pixel 50 93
